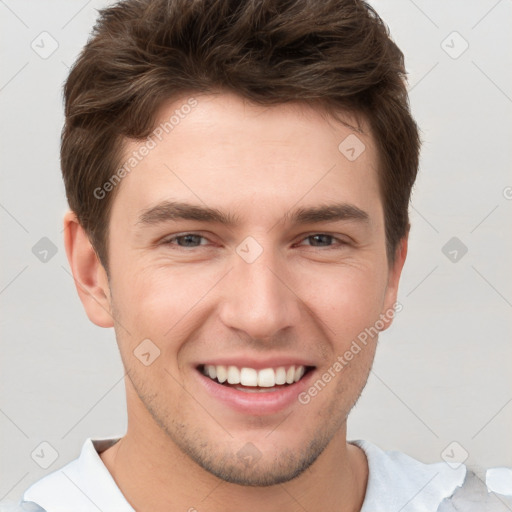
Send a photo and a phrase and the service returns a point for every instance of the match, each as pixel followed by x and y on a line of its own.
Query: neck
pixel 155 475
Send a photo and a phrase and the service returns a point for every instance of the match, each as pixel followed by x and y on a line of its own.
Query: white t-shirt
pixel 396 482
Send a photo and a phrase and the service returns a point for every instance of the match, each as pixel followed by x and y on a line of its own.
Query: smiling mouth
pixel 251 380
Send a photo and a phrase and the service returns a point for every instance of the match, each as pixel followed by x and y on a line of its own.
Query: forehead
pixel 224 151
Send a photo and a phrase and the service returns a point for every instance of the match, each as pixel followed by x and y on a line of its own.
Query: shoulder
pixel 46 491
pixel 84 482
pixel 398 481
pixel 475 496
pixel 23 506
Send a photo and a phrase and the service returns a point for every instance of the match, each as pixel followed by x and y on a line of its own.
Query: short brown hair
pixel 335 54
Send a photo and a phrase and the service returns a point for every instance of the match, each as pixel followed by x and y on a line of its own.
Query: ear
pixel 90 277
pixel 395 271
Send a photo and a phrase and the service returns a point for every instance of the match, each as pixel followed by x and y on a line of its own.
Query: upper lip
pixel 257 363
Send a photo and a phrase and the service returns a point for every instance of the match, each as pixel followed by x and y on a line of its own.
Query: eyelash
pixel 169 241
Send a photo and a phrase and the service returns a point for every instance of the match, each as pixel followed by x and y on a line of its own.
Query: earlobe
pixel 88 273
pixel 395 271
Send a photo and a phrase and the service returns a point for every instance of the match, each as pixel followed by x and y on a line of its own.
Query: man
pixel 239 176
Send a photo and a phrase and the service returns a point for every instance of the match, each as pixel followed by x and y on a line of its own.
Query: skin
pixel 301 296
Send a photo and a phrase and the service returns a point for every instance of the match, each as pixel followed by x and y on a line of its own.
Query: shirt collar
pixel 85 482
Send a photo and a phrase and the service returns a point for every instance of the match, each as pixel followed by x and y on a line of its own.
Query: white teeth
pixel 265 378
pixel 248 377
pixel 233 375
pixel 281 375
pixel 222 373
pixel 290 375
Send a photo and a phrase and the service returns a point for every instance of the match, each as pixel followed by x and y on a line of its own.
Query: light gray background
pixel 442 372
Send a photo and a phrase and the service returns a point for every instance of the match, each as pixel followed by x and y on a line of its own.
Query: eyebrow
pixel 176 210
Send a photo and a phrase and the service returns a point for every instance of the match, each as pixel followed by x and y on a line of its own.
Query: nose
pixel 258 298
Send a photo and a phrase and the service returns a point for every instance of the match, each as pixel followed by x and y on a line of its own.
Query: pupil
pixel 188 238
pixel 326 238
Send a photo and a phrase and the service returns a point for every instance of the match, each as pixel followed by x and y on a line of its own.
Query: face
pixel 263 291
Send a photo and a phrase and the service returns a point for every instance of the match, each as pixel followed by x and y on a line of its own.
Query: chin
pixel 248 466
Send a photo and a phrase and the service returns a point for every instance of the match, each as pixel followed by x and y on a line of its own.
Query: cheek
pixel 159 301
pixel 347 299
pixel 154 306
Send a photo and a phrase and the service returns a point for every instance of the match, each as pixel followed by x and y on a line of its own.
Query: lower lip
pixel 257 403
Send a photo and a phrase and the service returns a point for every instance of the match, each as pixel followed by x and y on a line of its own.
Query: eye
pixel 323 240
pixel 187 240
pixel 193 240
